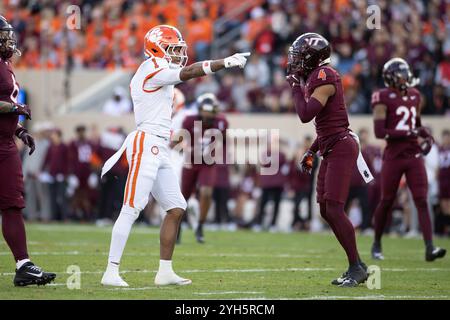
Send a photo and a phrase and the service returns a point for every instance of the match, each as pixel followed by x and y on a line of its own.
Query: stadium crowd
pixel 111 31
pixel 62 183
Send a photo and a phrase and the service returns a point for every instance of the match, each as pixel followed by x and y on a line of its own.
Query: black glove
pixel 22 109
pixel 306 164
pixel 26 138
pixel 426 145
pixel 423 132
pixel 294 80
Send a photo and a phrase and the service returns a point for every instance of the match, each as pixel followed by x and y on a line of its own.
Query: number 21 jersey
pixel 401 114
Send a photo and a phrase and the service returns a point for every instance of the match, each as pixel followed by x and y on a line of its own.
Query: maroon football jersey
pixel 332 121
pixel 401 113
pixel 191 123
pixel 9 89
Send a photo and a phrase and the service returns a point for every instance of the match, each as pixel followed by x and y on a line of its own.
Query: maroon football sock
pixel 424 220
pixel 343 229
pixel 13 230
pixel 381 217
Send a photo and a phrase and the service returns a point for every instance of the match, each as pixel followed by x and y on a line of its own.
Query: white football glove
pixel 236 60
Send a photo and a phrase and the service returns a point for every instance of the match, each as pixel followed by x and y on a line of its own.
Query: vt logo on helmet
pixel 166 42
pixel 309 51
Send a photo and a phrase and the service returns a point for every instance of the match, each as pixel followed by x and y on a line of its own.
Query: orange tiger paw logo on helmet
pixel 155 35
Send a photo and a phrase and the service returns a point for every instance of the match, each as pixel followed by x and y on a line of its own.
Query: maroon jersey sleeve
pixel 376 98
pixel 321 76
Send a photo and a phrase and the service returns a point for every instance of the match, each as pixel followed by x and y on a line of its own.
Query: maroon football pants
pixel 198 174
pixel 416 179
pixel 332 191
pixel 12 202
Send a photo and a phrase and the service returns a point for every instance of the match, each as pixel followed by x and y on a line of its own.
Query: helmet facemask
pixel 295 62
pixel 8 44
pixel 176 54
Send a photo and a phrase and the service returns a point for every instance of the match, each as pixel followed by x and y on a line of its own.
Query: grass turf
pixel 231 265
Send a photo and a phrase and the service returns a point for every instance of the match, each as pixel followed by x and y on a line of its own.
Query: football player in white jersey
pixel 147 148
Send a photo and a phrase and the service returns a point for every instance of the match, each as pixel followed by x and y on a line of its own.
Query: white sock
pixel 112 267
pixel 20 263
pixel 120 233
pixel 165 266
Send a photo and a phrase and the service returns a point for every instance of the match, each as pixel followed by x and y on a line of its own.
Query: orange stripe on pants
pixel 130 168
pixel 136 171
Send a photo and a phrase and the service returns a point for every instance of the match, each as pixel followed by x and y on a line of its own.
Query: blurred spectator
pixel 245 191
pixel 56 168
pixel 221 195
pixel 37 192
pixel 113 183
pixel 301 184
pixel 272 186
pixel 119 104
pixel 81 182
pixel 443 218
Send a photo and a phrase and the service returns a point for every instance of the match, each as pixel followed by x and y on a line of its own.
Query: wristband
pixel 206 66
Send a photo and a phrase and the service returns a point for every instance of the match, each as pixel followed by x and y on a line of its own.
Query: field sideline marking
pixel 226 292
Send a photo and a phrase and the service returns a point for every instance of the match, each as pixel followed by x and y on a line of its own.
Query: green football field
pixel 231 265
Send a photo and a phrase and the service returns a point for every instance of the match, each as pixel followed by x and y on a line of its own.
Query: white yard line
pixel 377 297
pixel 226 292
pixel 258 270
pixel 140 289
pixel 144 254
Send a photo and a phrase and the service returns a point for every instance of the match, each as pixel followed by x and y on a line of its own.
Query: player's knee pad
pixel 132 213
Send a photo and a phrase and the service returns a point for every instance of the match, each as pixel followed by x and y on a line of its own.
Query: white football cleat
pixel 165 279
pixel 113 279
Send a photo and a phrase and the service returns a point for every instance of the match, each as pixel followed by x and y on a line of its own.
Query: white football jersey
pixel 152 94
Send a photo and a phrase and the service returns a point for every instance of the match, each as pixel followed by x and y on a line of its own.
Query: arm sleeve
pixel 305 110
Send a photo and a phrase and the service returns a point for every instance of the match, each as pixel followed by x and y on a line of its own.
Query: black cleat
pixel 377 253
pixel 29 274
pixel 434 254
pixel 340 280
pixel 355 276
pixel 199 234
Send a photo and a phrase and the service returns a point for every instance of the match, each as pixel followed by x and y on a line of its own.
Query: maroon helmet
pixel 8 42
pixel 398 75
pixel 309 51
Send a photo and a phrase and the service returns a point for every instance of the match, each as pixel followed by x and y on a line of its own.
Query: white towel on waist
pixel 361 163
pixel 116 156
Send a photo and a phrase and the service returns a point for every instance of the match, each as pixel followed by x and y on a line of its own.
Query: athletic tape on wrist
pixel 206 65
